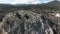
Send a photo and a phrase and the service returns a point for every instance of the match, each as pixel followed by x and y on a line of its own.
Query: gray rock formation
pixel 24 22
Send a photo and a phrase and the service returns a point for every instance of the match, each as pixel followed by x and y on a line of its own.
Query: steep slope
pixel 24 22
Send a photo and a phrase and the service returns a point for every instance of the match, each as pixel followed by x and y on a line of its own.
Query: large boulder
pixel 24 22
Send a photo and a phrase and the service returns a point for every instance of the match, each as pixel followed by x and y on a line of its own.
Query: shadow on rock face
pixel 26 16
pixel 19 16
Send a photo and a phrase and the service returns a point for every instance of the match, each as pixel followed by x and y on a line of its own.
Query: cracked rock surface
pixel 24 22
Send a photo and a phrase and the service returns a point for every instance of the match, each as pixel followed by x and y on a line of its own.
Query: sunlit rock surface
pixel 24 22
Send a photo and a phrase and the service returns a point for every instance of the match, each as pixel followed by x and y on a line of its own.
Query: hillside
pixel 53 5
pixel 30 19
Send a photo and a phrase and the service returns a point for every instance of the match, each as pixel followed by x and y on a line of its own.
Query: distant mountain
pixel 54 5
pixel 6 6
pixel 24 4
pixel 19 4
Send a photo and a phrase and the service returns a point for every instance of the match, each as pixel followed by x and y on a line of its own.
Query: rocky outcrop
pixel 24 22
